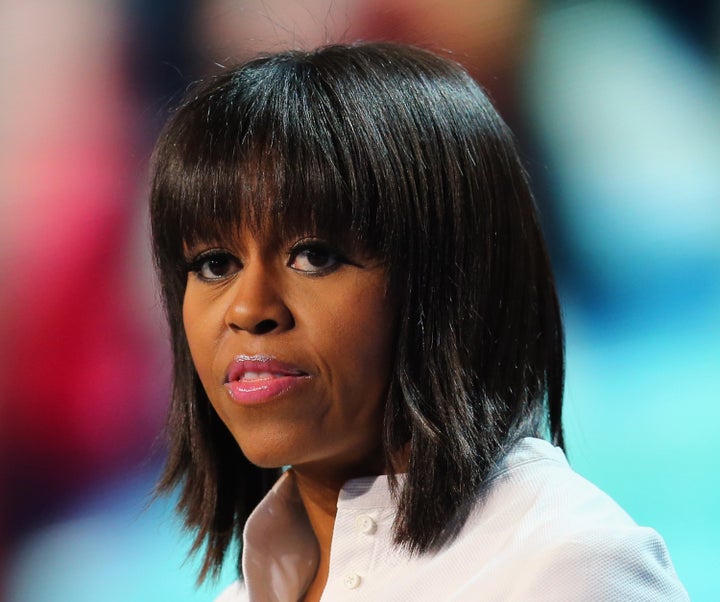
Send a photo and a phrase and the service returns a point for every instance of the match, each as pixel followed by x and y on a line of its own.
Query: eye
pixel 214 265
pixel 315 257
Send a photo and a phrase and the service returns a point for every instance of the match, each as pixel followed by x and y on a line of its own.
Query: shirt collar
pixel 280 554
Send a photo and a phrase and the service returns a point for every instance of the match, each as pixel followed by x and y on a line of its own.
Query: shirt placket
pixel 356 537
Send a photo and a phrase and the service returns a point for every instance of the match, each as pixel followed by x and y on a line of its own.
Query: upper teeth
pixel 256 375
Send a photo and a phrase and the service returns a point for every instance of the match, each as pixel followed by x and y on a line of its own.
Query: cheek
pixel 190 326
pixel 362 332
pixel 198 332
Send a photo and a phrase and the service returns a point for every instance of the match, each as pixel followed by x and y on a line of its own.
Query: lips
pixel 257 379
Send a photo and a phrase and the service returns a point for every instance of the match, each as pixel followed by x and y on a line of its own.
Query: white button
pixel 365 524
pixel 352 580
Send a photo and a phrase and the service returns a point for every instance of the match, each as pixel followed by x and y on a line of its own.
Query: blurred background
pixel 616 105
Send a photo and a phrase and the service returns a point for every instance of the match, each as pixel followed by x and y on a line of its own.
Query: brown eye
pixel 315 257
pixel 215 265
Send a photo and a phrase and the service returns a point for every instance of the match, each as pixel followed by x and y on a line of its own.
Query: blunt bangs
pixel 324 144
pixel 269 148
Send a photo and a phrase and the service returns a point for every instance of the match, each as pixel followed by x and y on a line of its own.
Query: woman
pixel 358 290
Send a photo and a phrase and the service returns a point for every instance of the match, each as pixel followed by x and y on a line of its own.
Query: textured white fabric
pixel 543 533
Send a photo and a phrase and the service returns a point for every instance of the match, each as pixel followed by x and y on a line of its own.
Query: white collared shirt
pixel 543 533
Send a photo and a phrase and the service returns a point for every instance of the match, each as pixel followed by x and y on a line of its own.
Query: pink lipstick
pixel 256 379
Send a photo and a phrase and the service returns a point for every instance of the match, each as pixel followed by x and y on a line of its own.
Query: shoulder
pixel 536 487
pixel 537 484
pixel 554 535
pixel 594 565
pixel 235 592
pixel 630 563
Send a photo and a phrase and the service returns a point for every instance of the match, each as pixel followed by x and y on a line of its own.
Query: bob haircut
pixel 399 152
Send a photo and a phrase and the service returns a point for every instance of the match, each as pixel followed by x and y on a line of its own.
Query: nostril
pixel 265 326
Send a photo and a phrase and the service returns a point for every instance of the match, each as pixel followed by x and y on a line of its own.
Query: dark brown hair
pixel 401 151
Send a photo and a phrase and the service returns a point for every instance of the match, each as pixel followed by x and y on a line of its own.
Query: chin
pixel 266 460
pixel 269 456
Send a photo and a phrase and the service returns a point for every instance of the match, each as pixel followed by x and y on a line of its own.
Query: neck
pixel 319 490
pixel 319 497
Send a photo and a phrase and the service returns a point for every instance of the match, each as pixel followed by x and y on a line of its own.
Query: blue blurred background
pixel 616 106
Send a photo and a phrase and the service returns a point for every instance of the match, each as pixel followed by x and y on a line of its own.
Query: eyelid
pixel 318 245
pixel 312 243
pixel 194 260
pixel 196 264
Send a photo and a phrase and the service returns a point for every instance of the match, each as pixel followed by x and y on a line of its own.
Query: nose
pixel 257 305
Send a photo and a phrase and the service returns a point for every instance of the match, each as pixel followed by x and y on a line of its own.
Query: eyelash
pixel 321 247
pixel 198 263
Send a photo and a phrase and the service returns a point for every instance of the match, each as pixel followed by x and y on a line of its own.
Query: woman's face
pixel 293 343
